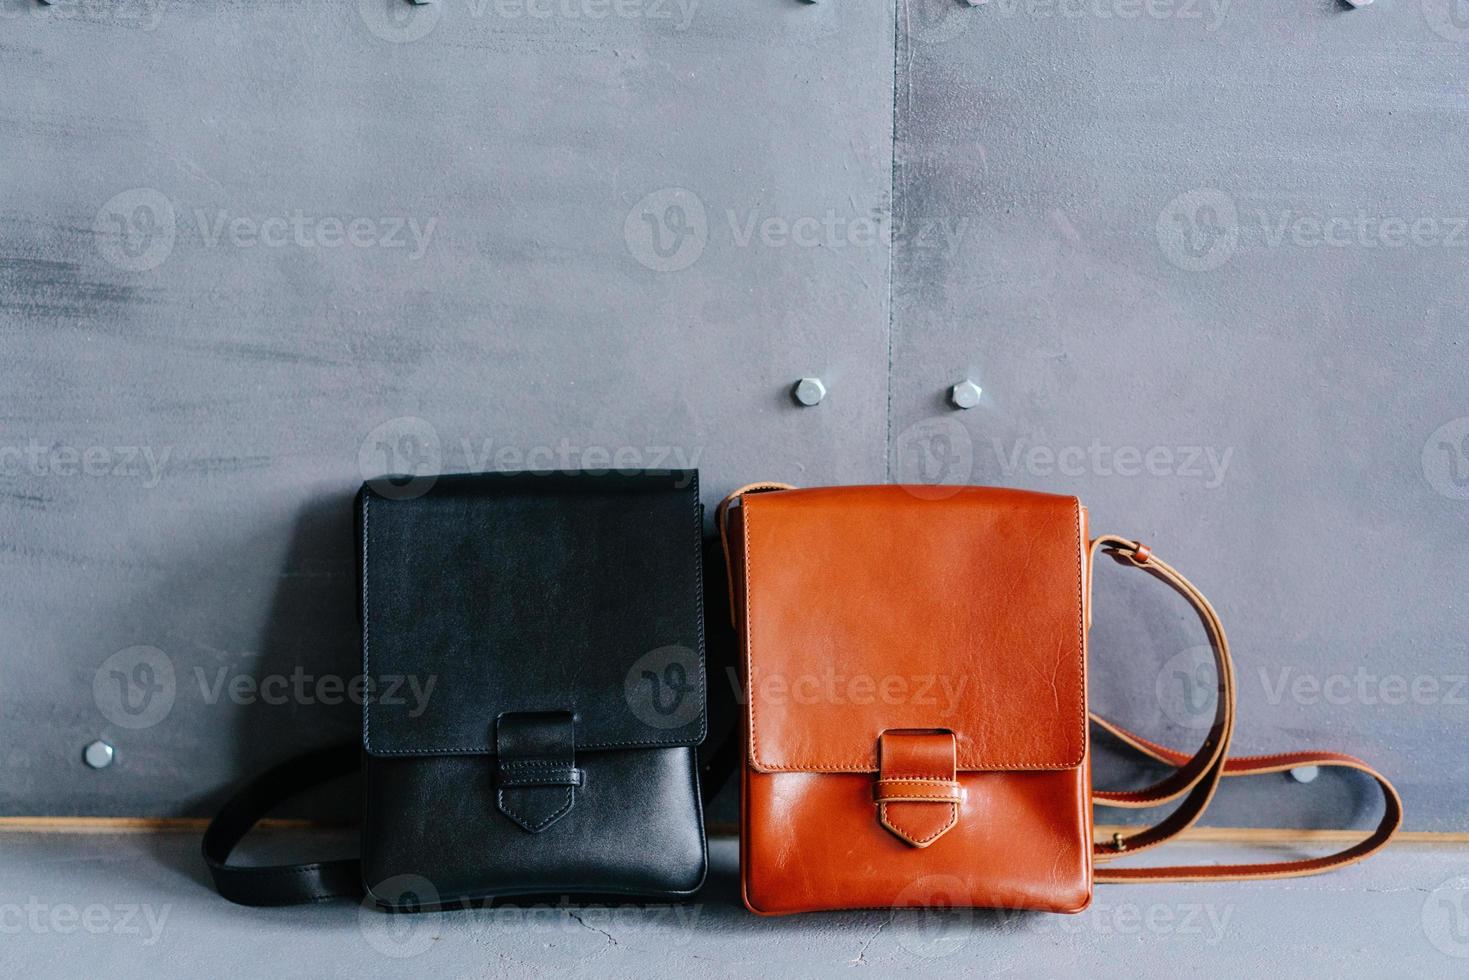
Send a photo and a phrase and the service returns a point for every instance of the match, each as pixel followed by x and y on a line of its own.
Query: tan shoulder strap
pixel 1195 777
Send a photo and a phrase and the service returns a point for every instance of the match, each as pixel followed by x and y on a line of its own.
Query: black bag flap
pixel 492 594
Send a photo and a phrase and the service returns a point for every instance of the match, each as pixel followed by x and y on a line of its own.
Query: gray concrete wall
pixel 250 254
pixel 1211 273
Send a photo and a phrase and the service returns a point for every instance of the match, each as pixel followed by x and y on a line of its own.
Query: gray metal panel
pixel 258 313
pixel 1142 195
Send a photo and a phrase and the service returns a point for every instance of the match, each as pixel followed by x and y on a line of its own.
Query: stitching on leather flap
pixel 538 825
pixel 692 733
pixel 868 763
pixel 883 818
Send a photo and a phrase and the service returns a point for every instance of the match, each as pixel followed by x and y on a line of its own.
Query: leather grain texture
pixel 874 615
pixel 810 843
pixel 530 593
pixel 559 621
pixel 872 608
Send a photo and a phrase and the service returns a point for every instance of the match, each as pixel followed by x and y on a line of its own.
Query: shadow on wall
pixel 296 696
pixel 312 641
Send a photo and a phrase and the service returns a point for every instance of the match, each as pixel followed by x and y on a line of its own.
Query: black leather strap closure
pixel 535 757
pixel 518 775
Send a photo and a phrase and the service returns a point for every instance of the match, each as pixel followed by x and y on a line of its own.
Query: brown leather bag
pixel 917 723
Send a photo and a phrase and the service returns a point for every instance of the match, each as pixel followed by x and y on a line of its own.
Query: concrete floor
pixel 137 905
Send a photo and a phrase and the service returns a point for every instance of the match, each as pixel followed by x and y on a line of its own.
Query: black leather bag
pixel 556 622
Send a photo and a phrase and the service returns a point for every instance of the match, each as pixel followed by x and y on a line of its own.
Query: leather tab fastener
pixel 917 790
pixel 536 777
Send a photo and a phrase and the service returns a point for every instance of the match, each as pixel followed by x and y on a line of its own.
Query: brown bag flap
pixel 882 608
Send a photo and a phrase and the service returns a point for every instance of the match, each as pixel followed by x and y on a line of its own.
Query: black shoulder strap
pixel 289 884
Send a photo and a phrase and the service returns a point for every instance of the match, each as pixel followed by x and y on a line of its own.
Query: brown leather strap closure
pixel 1196 777
pixel 917 791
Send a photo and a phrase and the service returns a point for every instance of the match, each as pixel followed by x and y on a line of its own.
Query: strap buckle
pixel 917 792
pixel 536 772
